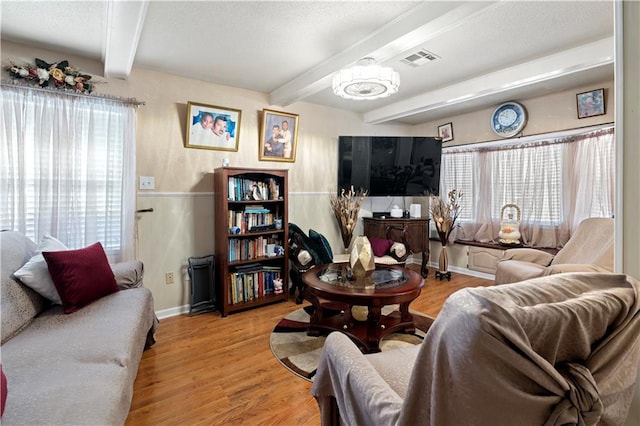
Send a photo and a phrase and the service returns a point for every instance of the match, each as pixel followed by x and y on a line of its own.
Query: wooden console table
pixel 415 229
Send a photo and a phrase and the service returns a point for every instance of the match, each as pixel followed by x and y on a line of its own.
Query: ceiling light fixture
pixel 366 80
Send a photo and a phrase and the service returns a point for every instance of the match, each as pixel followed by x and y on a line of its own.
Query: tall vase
pixel 443 265
pixel 443 260
pixel 346 241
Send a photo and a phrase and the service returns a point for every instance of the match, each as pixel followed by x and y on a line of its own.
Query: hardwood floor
pixel 208 370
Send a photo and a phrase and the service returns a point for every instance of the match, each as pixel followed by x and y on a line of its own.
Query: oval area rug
pixel 300 353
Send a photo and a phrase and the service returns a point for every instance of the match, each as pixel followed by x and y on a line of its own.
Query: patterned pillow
pixel 398 249
pixel 18 303
pixel 321 247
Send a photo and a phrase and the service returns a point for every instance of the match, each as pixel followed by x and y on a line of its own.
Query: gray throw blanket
pixel 562 349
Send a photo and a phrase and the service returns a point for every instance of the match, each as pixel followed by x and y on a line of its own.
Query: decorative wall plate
pixel 508 119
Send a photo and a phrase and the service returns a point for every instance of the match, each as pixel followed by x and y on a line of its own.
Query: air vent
pixel 419 58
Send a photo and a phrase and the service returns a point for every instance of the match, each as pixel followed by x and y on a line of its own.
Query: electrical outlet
pixel 147 182
pixel 168 278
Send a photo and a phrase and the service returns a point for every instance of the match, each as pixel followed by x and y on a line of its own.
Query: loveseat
pixel 71 368
pixel 561 349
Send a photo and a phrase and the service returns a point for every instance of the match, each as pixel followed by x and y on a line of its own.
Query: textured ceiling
pixel 290 49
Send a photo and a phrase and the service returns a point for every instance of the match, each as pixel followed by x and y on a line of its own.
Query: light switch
pixel 147 182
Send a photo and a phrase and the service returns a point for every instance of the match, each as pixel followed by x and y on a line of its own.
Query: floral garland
pixel 58 74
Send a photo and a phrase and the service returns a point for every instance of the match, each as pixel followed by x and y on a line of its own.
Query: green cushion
pixel 321 247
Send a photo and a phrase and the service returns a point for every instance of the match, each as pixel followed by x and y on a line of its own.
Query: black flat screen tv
pixel 390 165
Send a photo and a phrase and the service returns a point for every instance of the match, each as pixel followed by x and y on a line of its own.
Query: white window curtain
pixel 556 182
pixel 68 168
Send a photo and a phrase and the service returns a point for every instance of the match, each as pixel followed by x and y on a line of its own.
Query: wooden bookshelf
pixel 249 203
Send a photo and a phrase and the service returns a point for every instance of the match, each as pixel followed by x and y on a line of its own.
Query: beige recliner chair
pixel 590 249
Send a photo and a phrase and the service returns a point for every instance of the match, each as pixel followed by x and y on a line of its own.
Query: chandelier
pixel 366 80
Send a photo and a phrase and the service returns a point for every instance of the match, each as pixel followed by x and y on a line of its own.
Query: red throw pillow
pixel 3 390
pixel 80 276
pixel 380 246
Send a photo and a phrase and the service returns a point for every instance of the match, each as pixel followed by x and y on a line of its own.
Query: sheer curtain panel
pixel 556 181
pixel 68 168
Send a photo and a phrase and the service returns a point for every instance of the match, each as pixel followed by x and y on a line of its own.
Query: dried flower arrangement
pixel 58 74
pixel 445 214
pixel 346 207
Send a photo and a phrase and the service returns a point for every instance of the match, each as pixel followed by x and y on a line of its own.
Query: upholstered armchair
pixel 391 251
pixel 305 251
pixel 590 249
pixel 560 349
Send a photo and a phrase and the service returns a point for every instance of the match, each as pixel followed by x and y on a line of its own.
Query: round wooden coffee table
pixel 387 285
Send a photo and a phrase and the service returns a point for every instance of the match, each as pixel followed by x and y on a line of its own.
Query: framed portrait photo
pixel 278 136
pixel 446 132
pixel 590 103
pixel 212 127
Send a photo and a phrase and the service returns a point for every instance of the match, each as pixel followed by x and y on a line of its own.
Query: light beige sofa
pixel 590 249
pixel 70 369
pixel 562 349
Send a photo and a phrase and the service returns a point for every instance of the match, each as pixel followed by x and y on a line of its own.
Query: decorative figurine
pixel 510 227
pixel 277 285
pixel 273 189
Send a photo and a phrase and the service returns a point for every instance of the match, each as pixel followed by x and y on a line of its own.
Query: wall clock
pixel 508 119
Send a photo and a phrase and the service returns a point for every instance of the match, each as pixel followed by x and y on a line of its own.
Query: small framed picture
pixel 212 127
pixel 590 103
pixel 279 136
pixel 446 132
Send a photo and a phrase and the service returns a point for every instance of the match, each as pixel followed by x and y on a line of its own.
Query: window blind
pixel 63 166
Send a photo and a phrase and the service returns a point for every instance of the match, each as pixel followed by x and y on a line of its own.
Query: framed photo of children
pixel 590 103
pixel 279 136
pixel 212 127
pixel 446 132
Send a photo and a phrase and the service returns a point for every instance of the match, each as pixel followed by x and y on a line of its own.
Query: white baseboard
pixel 414 260
pixel 466 271
pixel 172 312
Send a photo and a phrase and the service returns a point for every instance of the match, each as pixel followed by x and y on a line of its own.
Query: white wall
pixel 548 113
pixel 628 228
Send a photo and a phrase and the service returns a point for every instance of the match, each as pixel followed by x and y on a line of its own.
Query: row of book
pixel 252 282
pixel 248 189
pixel 244 249
pixel 245 221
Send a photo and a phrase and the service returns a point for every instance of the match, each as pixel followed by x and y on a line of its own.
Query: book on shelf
pixel 246 221
pixel 254 248
pixel 240 189
pixel 256 209
pixel 250 267
pixel 271 273
pixel 251 282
